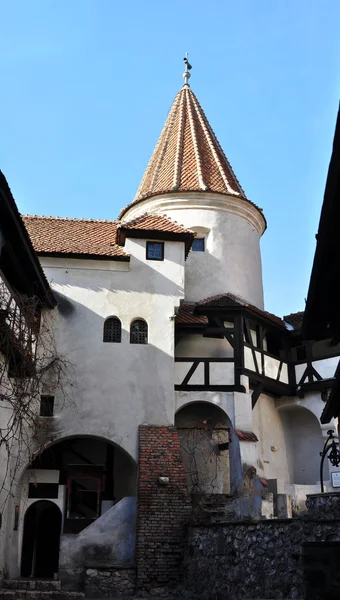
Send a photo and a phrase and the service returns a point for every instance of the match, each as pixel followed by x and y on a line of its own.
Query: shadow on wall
pixel 304 442
pixel 110 540
pixel 114 389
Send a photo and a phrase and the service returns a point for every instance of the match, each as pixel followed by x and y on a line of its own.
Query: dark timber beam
pixel 256 393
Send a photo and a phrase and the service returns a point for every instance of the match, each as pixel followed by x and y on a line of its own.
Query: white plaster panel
pixel 248 359
pixel 222 373
pixel 183 368
pixel 299 371
pixel 326 367
pixel 197 345
pixel 271 366
pixel 253 337
pixel 284 373
pixel 258 359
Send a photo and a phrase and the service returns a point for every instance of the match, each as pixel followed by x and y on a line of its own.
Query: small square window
pixel 198 245
pixel 46 406
pixel 155 250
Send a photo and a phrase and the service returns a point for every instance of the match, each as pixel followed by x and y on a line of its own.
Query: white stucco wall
pixel 117 386
pixel 232 258
pixel 272 451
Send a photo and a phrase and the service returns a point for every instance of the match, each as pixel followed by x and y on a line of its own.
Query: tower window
pixel 46 406
pixel 112 330
pixel 155 250
pixel 198 245
pixel 139 332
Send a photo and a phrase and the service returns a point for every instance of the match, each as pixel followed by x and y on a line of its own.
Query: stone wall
pixel 107 581
pixel 163 509
pixel 267 559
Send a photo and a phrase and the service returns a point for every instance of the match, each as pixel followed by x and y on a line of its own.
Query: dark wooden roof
pixel 322 306
pixel 322 313
pixel 18 260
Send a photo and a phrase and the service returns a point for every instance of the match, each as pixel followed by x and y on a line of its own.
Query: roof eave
pixel 324 283
pixel 14 226
pixel 126 232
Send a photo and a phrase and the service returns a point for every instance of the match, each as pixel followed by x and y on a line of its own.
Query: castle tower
pixel 189 179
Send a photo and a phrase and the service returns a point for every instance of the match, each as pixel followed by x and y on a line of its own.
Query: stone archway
pixel 205 433
pixel 41 540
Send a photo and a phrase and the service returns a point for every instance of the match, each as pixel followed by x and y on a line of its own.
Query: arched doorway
pixel 41 538
pixel 204 432
pixel 304 442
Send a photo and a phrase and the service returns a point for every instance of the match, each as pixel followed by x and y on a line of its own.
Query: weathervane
pixel 186 75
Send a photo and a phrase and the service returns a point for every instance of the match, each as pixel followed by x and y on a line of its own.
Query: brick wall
pixel 162 510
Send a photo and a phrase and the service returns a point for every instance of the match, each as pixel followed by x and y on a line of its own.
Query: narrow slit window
pixel 112 330
pixel 198 245
pixel 46 406
pixel 138 332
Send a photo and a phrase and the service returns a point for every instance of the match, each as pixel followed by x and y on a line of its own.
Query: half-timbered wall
pixel 193 371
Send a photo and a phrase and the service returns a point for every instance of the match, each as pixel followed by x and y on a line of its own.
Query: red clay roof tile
pixel 56 235
pixel 246 436
pixel 294 319
pixel 185 315
pixel 154 222
pixel 227 300
pixel 188 156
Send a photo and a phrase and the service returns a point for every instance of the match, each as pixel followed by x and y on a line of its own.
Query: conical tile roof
pixel 188 156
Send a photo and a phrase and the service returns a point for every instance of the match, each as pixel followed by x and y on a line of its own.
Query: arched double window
pixel 138 332
pixel 112 330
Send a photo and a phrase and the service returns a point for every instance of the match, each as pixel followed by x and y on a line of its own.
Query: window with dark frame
pixel 155 250
pixel 198 245
pixel 139 332
pixel 84 498
pixel 112 331
pixel 46 406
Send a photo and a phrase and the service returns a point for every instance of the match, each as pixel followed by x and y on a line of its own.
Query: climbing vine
pixel 29 366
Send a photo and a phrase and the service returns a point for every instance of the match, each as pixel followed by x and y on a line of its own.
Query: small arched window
pixel 112 330
pixel 139 332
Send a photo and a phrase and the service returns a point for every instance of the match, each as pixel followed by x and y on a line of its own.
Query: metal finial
pixel 186 75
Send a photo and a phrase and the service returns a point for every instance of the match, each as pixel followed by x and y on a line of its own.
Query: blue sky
pixel 86 86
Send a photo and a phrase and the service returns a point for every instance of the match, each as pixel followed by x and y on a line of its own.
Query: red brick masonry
pixel 162 509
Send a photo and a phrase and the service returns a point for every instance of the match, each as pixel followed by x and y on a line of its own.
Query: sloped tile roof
pixel 153 222
pixel 87 237
pixel 188 156
pixel 246 436
pixel 229 300
pixel 185 315
pixel 56 235
pixel 154 226
pixel 294 319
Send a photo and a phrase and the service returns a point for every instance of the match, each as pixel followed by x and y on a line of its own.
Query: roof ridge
pixel 78 219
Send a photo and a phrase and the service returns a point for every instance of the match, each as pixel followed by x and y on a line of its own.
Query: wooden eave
pixel 322 306
pixel 89 256
pixel 252 314
pixel 152 234
pixel 18 260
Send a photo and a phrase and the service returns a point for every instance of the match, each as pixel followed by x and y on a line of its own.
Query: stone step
pixel 39 595
pixel 31 584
